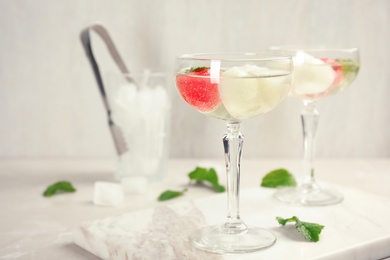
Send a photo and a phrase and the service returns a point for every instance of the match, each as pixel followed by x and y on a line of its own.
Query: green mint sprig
pixel 170 194
pixel 61 186
pixel 197 69
pixel 278 178
pixel 208 175
pixel 310 231
pixel 199 175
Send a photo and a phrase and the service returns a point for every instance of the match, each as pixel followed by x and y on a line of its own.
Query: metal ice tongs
pixel 86 41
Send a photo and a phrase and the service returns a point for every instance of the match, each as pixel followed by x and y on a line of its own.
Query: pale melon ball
pixel 311 75
pixel 251 90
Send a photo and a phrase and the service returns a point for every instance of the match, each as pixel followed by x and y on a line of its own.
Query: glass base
pixel 223 240
pixel 309 196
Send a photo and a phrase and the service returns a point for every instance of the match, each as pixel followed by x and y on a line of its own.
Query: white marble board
pixel 358 228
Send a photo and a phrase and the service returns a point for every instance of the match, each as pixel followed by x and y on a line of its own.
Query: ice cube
pixel 124 103
pixel 159 95
pixel 126 96
pixel 134 184
pixel 108 194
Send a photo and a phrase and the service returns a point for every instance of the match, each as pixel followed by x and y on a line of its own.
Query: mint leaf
pixel 278 178
pixel 208 175
pixel 61 186
pixel 283 221
pixel 170 194
pixel 349 68
pixel 348 65
pixel 310 231
pixel 197 69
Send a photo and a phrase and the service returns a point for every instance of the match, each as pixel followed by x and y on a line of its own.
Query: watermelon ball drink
pixel 233 87
pixel 318 73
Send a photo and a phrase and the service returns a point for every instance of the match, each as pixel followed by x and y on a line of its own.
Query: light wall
pixel 50 105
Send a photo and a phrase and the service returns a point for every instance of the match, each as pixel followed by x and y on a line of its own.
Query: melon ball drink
pixel 318 73
pixel 233 87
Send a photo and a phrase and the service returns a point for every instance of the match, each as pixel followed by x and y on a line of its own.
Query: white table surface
pixel 35 227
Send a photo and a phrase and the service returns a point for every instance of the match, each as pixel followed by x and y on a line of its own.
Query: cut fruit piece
pixel 337 69
pixel 250 90
pixel 197 90
pixel 311 76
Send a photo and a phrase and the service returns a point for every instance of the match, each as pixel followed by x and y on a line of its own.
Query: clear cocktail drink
pixel 233 87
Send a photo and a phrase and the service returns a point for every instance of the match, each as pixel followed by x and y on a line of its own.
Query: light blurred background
pixel 50 105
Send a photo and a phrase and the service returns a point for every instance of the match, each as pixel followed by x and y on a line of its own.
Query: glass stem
pixel 309 118
pixel 232 142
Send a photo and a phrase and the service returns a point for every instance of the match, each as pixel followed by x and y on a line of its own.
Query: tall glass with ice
pixel 140 107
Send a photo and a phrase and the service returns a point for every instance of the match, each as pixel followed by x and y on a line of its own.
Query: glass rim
pixel 312 48
pixel 233 56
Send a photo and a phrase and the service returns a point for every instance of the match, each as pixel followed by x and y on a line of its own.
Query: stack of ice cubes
pixel 142 112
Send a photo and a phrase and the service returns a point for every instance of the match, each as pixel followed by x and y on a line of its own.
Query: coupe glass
pixel 318 73
pixel 233 87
